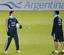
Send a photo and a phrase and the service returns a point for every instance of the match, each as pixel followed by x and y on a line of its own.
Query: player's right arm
pixel 53 28
pixel 7 30
pixel 6 25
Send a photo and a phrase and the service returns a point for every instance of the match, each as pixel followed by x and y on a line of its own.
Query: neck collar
pixel 11 17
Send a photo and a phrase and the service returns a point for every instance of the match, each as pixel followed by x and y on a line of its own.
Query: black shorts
pixel 12 34
pixel 59 37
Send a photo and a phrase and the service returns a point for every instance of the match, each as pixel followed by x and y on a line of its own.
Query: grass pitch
pixel 35 36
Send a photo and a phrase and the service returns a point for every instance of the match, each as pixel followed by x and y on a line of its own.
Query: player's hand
pixel 8 33
pixel 52 34
pixel 20 27
pixel 54 37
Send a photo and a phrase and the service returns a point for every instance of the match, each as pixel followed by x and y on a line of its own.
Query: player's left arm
pixel 18 24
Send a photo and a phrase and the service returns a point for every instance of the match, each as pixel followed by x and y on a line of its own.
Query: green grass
pixel 34 37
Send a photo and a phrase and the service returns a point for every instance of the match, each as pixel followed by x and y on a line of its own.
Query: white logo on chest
pixel 59 22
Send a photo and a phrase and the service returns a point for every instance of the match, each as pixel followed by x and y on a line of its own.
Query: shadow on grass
pixel 12 53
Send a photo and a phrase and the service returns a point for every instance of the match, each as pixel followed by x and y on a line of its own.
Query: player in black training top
pixel 57 32
pixel 12 25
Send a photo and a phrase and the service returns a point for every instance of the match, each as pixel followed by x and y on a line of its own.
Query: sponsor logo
pixel 11 5
pixel 51 5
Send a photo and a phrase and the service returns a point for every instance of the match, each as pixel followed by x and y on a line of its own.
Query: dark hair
pixel 57 12
pixel 11 12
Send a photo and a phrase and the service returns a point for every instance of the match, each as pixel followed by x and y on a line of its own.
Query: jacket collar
pixel 11 17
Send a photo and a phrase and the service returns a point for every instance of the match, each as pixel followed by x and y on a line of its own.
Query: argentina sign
pixel 32 4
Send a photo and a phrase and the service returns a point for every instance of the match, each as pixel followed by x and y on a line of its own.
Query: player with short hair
pixel 12 25
pixel 57 32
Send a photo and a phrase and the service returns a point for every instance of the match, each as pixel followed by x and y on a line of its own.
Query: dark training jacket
pixel 11 26
pixel 57 25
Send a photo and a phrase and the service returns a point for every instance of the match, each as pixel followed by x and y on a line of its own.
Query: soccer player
pixel 12 25
pixel 57 32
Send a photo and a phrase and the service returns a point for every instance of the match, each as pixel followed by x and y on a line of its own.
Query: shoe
pixel 18 51
pixel 5 52
pixel 54 52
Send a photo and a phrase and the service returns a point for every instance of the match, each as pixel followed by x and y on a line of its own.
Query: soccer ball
pixel 17 25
